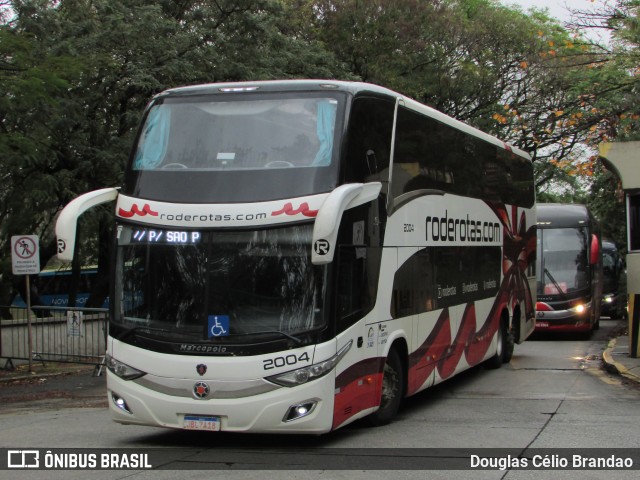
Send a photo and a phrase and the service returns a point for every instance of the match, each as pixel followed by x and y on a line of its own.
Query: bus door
pixel 357 382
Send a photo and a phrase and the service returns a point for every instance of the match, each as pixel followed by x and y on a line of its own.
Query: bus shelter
pixel 623 159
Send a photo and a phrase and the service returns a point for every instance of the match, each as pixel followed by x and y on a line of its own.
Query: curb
pixel 611 366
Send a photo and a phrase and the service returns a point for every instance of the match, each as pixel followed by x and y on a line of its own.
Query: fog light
pixel 300 410
pixel 120 403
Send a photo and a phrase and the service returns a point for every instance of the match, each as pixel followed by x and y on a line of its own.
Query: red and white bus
pixel 295 255
pixel 570 274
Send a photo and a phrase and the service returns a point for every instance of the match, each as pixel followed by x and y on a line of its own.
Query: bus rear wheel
pixel 505 346
pixel 393 387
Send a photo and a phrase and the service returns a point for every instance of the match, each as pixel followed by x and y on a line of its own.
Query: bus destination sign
pixel 172 237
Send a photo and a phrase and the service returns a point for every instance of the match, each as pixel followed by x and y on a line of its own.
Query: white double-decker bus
pixel 294 255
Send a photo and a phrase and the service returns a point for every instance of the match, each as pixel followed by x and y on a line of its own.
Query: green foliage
pixel 519 76
pixel 75 76
pixel 606 201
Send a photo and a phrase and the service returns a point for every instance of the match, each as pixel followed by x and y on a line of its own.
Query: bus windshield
pixel 213 135
pixel 224 286
pixel 565 266
pixel 282 145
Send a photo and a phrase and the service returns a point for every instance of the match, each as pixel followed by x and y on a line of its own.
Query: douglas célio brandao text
pixel 551 461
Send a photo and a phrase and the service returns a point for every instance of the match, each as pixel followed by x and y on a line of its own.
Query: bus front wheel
pixel 393 387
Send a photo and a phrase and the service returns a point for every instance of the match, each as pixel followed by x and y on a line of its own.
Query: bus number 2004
pixel 291 359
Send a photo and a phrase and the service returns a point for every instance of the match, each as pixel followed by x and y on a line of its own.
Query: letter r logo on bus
pixel 321 247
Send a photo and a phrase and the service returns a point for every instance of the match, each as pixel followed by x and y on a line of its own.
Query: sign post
pixel 25 260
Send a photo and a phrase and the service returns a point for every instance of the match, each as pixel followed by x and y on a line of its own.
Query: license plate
pixel 542 324
pixel 202 422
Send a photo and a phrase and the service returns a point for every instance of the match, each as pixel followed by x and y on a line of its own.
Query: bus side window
pixel 369 140
pixel 414 286
pixel 357 283
pixel 422 154
pixel 429 154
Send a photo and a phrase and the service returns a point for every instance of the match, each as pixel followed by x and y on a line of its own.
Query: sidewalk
pixel 616 359
pixel 54 385
pixel 42 370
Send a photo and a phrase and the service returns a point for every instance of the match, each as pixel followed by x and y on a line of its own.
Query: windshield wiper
pixel 278 332
pixel 291 337
pixel 128 332
pixel 555 284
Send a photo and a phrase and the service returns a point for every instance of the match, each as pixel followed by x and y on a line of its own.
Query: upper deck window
pixel 231 148
pixel 275 133
pixel 429 154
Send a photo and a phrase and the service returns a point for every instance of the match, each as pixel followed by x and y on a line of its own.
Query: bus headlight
pixel 579 309
pixel 608 298
pixel 305 374
pixel 122 370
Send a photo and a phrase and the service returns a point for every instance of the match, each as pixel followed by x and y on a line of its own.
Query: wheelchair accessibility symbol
pixel 218 325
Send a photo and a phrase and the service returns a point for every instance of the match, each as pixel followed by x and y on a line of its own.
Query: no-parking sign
pixel 25 258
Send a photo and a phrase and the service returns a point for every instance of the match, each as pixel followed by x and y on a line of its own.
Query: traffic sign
pixel 25 258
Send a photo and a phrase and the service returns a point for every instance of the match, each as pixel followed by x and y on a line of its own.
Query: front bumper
pixel 563 321
pixel 262 412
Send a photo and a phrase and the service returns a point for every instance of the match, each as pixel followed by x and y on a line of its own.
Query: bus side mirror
pixel 325 228
pixel 67 222
pixel 594 254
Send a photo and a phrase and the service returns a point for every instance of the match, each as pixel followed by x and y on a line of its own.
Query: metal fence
pixel 70 335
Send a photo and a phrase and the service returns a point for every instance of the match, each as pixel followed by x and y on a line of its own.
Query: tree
pixel 75 76
pixel 606 201
pixel 522 77
pixel 620 19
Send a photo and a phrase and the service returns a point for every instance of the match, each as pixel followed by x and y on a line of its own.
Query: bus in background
pixel 614 291
pixel 52 288
pixel 569 271
pixel 307 253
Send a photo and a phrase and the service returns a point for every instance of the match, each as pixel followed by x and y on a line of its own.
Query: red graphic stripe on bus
pixel 288 210
pixel 357 389
pixel 440 351
pixel 519 253
pixel 146 210
pixel 423 360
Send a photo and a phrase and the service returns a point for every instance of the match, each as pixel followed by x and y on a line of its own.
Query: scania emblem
pixel 200 390
pixel 201 369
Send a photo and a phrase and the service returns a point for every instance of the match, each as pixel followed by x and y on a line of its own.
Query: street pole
pixel 30 339
pixel 25 260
